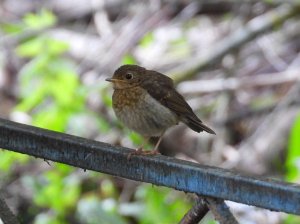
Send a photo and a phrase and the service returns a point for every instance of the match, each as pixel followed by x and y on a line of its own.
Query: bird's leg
pixel 140 150
pixel 155 151
pixel 145 141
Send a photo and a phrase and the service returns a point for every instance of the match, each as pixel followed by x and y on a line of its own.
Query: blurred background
pixel 236 62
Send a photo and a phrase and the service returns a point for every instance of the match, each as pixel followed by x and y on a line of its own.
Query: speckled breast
pixel 141 112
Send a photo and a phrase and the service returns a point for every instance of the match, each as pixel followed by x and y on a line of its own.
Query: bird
pixel 147 102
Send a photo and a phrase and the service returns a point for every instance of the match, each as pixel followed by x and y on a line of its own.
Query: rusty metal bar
pixel 220 211
pixel 6 215
pixel 158 170
pixel 196 213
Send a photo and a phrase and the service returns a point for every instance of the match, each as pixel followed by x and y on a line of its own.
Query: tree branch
pixel 6 214
pixel 220 211
pixel 250 31
pixel 196 213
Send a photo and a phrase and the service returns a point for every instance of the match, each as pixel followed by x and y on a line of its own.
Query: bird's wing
pixel 162 89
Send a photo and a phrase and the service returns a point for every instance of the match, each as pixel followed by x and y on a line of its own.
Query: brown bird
pixel 147 102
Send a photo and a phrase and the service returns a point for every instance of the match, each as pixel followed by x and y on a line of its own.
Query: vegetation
pixel 52 69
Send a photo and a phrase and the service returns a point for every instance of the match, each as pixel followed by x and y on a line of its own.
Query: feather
pixel 161 88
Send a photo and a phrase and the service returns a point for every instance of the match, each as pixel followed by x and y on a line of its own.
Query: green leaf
pixel 128 60
pixel 269 1
pixel 57 191
pixel 11 28
pixel 108 189
pixel 107 100
pixel 64 87
pixel 147 40
pixel 32 47
pixel 135 138
pixel 35 71
pixel 49 218
pixel 41 45
pixel 7 159
pixel 32 100
pixel 162 205
pixel 292 219
pixel 263 101
pixel 293 156
pixel 56 47
pixel 93 211
pixel 103 125
pixel 52 118
pixel 42 20
pixel 63 168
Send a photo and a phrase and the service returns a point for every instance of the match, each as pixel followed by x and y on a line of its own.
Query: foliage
pixel 128 59
pixel 48 86
pixel 57 189
pixel 293 156
pixel 162 205
pixel 293 161
pixel 30 22
pixel 53 97
pixel 8 159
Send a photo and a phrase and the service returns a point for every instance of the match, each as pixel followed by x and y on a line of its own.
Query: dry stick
pixel 6 214
pixel 12 39
pixel 196 213
pixel 216 85
pixel 220 211
pixel 130 34
pixel 218 208
pixel 236 117
pixel 254 142
pixel 260 141
pixel 245 34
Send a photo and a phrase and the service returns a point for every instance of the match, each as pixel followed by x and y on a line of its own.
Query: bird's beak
pixel 117 83
pixel 109 80
pixel 115 80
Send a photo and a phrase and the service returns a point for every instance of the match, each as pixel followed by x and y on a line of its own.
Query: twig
pixel 12 39
pixel 266 131
pixel 196 213
pixel 130 34
pixel 236 117
pixel 220 211
pixel 272 56
pixel 6 214
pixel 254 28
pixel 216 85
pixel 269 137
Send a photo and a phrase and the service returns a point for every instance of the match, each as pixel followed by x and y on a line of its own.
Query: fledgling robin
pixel 147 102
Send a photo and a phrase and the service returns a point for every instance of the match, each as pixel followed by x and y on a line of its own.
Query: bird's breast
pixel 140 112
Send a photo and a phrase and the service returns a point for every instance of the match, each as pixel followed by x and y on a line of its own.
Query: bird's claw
pixel 140 151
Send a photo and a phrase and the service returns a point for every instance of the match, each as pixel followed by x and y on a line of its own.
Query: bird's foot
pixel 140 151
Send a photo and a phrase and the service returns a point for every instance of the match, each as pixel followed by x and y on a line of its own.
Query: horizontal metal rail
pixel 158 170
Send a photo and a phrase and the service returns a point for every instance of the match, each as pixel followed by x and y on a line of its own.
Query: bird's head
pixel 127 76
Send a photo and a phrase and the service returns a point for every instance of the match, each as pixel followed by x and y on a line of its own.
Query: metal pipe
pixel 159 170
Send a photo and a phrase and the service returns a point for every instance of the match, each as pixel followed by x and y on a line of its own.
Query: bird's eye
pixel 129 75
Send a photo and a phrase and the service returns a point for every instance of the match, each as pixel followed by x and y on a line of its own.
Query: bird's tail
pixel 197 125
